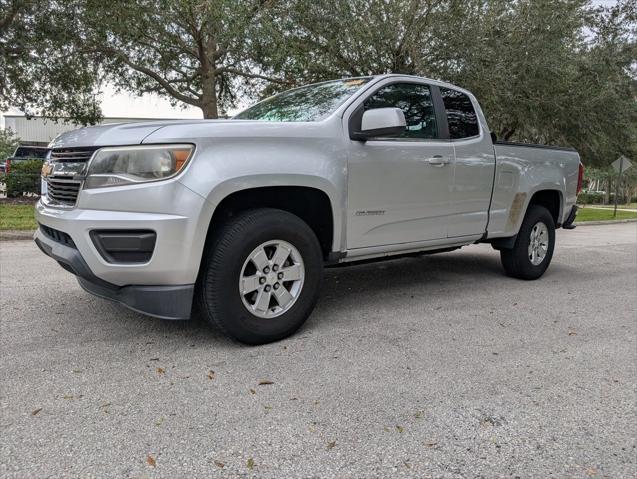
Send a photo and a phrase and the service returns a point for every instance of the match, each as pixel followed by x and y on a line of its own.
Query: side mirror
pixel 380 122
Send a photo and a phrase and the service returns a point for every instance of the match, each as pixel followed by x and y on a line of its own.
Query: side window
pixel 415 102
pixel 461 117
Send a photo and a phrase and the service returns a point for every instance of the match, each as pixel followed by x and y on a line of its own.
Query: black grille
pixel 62 189
pixel 58 236
pixel 75 155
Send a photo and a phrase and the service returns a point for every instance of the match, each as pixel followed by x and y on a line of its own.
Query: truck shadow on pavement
pixel 356 287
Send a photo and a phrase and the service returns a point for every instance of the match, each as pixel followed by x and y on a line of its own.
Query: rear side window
pixel 415 102
pixel 462 118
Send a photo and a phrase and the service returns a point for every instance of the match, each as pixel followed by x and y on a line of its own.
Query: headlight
pixel 136 164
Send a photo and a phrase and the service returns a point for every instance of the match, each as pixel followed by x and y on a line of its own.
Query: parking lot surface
pixel 437 366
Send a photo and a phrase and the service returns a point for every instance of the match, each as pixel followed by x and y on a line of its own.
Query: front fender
pixel 240 183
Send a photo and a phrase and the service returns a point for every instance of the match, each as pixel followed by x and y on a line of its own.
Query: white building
pixel 37 130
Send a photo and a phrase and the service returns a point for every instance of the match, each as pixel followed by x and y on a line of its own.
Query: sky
pixel 145 106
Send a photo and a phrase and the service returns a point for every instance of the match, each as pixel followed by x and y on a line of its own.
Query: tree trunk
pixel 209 97
pixel 507 133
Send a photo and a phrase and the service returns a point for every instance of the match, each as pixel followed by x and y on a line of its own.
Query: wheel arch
pixel 552 200
pixel 312 203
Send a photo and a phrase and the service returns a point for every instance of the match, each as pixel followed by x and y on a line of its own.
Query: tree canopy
pixel 39 70
pixel 547 71
pixel 195 52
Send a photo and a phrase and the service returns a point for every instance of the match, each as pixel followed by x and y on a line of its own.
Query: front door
pixel 399 188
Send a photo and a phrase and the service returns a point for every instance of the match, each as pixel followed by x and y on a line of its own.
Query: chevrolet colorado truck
pixel 236 218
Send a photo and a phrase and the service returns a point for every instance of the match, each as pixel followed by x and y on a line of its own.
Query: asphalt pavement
pixel 437 366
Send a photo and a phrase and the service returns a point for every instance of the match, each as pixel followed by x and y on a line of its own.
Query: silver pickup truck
pixel 237 218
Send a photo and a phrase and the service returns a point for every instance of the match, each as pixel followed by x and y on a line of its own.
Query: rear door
pixel 474 166
pixel 399 188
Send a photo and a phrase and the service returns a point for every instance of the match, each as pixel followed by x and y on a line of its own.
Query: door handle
pixel 438 160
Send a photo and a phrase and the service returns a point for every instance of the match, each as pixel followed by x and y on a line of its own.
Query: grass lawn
pixel 20 216
pixel 16 217
pixel 590 214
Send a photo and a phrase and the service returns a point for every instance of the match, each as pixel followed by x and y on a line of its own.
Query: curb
pixel 12 235
pixel 605 222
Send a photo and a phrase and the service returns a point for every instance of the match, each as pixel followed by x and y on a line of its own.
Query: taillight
pixel 580 178
pixel 7 166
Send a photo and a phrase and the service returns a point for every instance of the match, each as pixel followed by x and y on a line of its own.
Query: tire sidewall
pixel 221 287
pixel 536 214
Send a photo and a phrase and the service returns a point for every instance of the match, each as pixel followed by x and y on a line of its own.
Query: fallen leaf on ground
pixel 150 460
pixel 161 370
pixel 430 444
pixel 572 333
pixel 265 382
pixel 400 428
pixel 252 391
pixel 330 445
pixel 211 374
pixel 220 464
pixel 250 464
pixel 36 411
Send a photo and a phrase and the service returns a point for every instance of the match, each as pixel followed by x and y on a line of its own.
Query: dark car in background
pixel 23 153
pixel 21 171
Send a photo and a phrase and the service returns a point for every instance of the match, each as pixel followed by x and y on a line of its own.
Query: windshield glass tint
pixel 308 103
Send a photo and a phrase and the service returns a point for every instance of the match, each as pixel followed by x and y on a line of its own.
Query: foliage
pixel 195 52
pixel 537 75
pixel 8 143
pixel 591 198
pixel 23 177
pixel 602 182
pixel 40 69
pixel 546 71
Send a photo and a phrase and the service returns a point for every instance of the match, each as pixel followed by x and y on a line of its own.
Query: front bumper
pixel 167 302
pixel 160 283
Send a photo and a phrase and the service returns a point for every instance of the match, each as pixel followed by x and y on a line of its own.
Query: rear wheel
pixel 533 249
pixel 262 276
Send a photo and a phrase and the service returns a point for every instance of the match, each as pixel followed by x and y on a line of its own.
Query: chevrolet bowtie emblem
pixel 47 169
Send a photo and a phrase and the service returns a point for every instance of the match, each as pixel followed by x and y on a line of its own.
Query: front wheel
pixel 262 276
pixel 531 255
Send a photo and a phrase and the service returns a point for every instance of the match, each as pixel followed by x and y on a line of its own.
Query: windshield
pixel 308 103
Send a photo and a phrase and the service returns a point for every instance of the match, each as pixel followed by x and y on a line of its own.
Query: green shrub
pixel 590 198
pixel 23 177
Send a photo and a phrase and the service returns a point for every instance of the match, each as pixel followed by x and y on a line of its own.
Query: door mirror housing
pixel 380 122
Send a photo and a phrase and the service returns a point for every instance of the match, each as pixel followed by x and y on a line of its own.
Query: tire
pixel 519 262
pixel 230 263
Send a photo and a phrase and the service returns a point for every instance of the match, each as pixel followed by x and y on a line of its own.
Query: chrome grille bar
pixel 63 187
pixel 72 154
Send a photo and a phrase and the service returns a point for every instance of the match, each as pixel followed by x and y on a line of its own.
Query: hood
pixel 114 134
